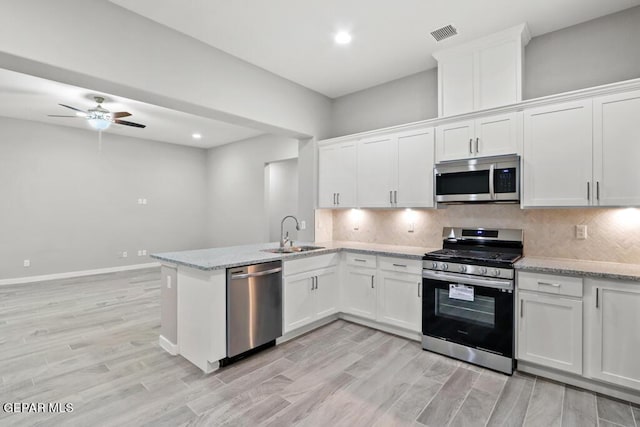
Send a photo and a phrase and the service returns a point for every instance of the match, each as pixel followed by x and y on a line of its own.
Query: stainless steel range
pixel 468 299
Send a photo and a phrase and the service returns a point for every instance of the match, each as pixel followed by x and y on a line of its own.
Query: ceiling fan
pixel 99 117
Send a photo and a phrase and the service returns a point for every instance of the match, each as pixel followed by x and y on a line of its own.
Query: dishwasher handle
pixel 258 274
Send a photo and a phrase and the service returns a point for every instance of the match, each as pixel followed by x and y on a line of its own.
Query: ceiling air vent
pixel 444 33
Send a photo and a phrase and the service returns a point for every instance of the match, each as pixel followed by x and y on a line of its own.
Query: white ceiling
pixel 294 38
pixel 31 98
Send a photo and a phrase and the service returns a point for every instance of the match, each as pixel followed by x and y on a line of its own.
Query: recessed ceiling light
pixel 196 136
pixel 343 37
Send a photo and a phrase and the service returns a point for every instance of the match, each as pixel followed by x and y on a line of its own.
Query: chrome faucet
pixel 284 239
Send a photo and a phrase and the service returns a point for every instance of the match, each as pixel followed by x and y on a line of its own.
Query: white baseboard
pixel 168 346
pixel 71 274
pixel 415 336
pixel 578 381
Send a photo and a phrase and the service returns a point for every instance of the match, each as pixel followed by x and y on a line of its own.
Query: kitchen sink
pixel 293 249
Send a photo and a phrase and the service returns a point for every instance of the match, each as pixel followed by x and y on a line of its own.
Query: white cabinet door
pixel 415 168
pixel 456 77
pixel 400 300
pixel 550 331
pixel 616 142
pixel 328 159
pixel 358 292
pixel 326 292
pixel 345 172
pixel 337 175
pixel 298 304
pixel 496 135
pixel 612 315
pixel 377 171
pixel 557 155
pixel 497 81
pixel 455 141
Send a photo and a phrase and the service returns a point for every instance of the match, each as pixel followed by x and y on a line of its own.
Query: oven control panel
pixel 476 270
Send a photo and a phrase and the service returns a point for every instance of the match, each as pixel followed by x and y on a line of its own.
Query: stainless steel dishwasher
pixel 254 308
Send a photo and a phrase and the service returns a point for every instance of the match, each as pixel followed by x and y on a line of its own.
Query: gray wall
pixel 405 100
pixel 604 50
pixel 236 188
pixel 68 207
pixel 282 197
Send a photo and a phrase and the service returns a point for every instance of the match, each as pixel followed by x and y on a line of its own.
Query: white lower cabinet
pixel 400 300
pixel 612 317
pixel 550 330
pixel 310 296
pixel 359 291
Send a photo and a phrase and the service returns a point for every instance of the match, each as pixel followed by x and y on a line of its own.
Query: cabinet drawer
pixel 550 283
pixel 401 265
pixel 359 260
pixel 310 263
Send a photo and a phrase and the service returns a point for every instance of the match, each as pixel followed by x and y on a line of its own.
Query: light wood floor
pixel 93 342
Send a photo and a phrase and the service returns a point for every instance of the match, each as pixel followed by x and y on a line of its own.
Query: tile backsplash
pixel 613 234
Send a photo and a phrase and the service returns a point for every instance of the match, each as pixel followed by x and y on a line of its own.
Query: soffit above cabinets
pixel 32 98
pixel 294 39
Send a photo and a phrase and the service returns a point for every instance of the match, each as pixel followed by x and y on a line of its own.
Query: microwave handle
pixel 492 192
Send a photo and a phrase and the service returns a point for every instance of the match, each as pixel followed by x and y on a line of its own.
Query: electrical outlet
pixel 139 201
pixel 124 254
pixel 27 263
pixel 144 252
pixel 581 232
pixel 144 201
pixel 412 227
pixel 168 282
pixel 139 252
pixel 303 225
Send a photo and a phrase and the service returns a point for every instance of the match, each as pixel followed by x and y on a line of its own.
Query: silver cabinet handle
pixel 492 192
pixel 597 298
pixel 400 265
pixel 477 145
pixel 598 190
pixel 470 145
pixel 521 307
pixel 395 196
pixel 555 285
pixel 390 197
pixel 360 260
pixel 588 190
pixel 316 277
pixel 312 282
pixel 258 274
pixel 372 277
pixel 334 198
pixel 419 285
pixel 338 198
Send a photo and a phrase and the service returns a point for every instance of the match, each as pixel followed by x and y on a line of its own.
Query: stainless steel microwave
pixel 488 179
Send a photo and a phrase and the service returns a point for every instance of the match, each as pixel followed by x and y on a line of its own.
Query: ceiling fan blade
pixel 57 115
pixel 126 123
pixel 73 108
pixel 120 114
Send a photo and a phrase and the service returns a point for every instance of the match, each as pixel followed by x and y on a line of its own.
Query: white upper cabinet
pixel 557 155
pixel 415 168
pixel 337 175
pixel 377 171
pixel 486 136
pixel 616 149
pixel 482 74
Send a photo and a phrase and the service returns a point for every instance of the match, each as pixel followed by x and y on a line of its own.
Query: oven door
pixel 471 311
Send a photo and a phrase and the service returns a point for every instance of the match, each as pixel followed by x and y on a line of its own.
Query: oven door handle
pixel 468 280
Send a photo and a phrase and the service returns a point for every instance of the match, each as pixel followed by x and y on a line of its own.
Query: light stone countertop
pixel 594 269
pixel 234 256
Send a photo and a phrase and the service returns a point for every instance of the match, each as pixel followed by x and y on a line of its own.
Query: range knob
pixel 434 265
pixel 445 266
pixel 496 272
pixel 463 269
pixel 483 270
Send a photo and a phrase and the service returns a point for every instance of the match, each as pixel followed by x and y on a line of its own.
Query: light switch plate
pixel 303 225
pixel 581 232
pixel 27 263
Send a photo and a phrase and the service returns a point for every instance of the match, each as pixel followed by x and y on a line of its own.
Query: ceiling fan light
pixel 99 120
pixel 99 123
